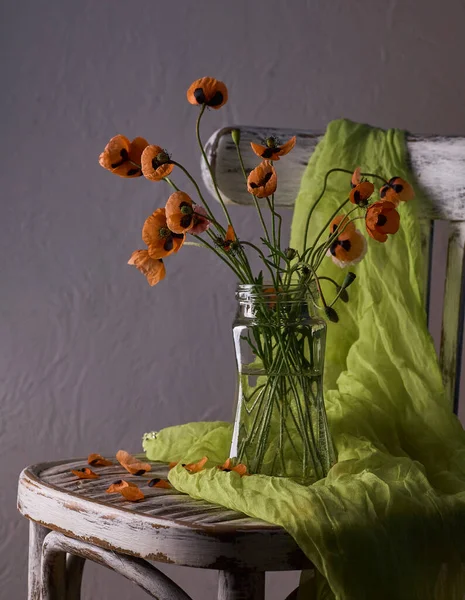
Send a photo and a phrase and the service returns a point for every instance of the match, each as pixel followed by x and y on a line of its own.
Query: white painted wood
pixel 452 321
pixel 53 572
pixel 438 164
pixel 146 576
pixel 241 585
pixel 37 534
pixel 166 526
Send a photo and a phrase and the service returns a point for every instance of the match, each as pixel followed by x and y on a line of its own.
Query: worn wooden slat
pixel 438 164
pixel 453 313
pixel 139 571
pixel 166 526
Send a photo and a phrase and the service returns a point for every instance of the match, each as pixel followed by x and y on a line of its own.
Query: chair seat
pixel 166 526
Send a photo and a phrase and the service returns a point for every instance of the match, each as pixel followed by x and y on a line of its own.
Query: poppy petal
pixel 208 91
pixel 157 236
pixel 361 192
pixel 85 473
pixel 152 268
pixel 197 466
pixel 155 163
pixel 97 460
pixel 356 177
pixel 287 146
pixel 131 463
pixel 122 157
pixel 397 190
pixel 130 491
pixel 382 218
pixel 179 212
pixel 160 483
pixel 346 226
pixel 262 181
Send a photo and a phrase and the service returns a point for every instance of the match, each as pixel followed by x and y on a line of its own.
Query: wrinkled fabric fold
pixel 388 522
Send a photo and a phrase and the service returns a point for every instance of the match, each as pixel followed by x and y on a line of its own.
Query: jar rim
pixel 251 291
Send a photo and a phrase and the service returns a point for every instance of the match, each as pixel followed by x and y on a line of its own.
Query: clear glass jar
pixel 280 425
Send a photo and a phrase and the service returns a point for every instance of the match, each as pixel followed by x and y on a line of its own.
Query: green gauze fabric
pixel 388 522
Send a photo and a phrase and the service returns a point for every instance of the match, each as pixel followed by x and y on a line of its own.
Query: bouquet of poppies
pixel 281 421
pixel 187 215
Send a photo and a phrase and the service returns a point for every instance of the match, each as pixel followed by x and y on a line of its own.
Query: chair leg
pixel 74 569
pixel 241 585
pixel 53 573
pixel 37 535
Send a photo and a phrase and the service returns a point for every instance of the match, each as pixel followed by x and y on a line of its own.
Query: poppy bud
pixel 349 278
pixel 343 295
pixel 236 136
pixel 290 253
pixel 331 314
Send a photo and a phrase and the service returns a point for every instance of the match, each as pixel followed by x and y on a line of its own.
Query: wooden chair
pixel 74 520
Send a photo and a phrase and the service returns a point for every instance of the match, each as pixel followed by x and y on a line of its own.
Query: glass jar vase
pixel 280 425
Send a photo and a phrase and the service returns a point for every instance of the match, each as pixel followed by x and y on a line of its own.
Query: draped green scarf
pixel 388 522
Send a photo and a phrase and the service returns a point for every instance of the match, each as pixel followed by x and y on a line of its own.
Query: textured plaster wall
pixel 90 356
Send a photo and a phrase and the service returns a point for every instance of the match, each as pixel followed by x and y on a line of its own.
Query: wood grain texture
pixel 241 585
pixel 453 313
pixel 139 571
pixel 37 534
pixel 166 526
pixel 53 572
pixel 438 164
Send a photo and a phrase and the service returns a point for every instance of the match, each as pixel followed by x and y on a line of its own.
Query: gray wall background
pixel 91 357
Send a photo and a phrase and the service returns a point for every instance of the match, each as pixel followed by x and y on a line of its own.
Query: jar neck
pixel 292 303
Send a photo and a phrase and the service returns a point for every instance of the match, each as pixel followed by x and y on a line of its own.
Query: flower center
pixel 164 232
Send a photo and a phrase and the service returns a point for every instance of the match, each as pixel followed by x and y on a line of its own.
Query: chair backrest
pixel 438 163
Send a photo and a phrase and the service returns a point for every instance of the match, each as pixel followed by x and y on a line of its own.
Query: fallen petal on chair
pixel 97 460
pixel 128 490
pixel 131 463
pixel 160 483
pixel 85 473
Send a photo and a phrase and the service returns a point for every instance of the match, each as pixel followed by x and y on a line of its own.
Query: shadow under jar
pixel 280 425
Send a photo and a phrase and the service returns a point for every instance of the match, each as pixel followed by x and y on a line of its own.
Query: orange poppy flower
pixel 156 163
pixel 272 149
pixel 85 473
pixel 160 483
pixel 229 466
pixel 179 212
pixel 361 192
pixel 97 460
pixel 123 157
pixel 382 218
pixel 209 91
pixel 131 463
pixel 196 467
pixel 161 241
pixel 350 245
pixel 152 268
pixel 397 190
pixel 262 181
pixel 130 491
